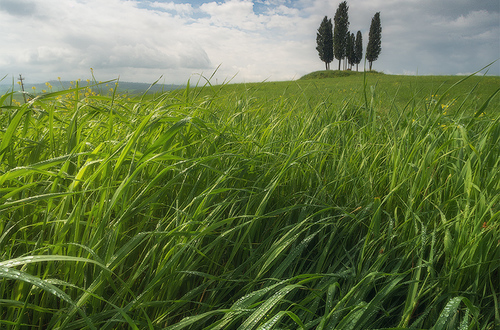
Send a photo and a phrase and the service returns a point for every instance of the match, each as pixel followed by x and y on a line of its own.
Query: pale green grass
pixel 268 206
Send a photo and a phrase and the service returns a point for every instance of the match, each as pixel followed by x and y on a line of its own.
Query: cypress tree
pixel 374 40
pixel 351 54
pixel 341 31
pixel 358 49
pixel 324 41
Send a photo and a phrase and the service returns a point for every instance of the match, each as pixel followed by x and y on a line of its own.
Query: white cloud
pixel 111 36
pixel 183 9
pixel 264 39
pixel 232 13
pixel 476 20
pixel 19 8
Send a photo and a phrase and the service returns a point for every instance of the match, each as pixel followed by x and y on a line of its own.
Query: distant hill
pixel 57 85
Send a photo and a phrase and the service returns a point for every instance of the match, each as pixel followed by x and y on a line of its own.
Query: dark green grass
pixel 387 92
pixel 347 203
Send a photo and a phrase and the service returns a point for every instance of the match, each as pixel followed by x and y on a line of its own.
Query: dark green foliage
pixel 341 31
pixel 351 54
pixel 374 40
pixel 324 41
pixel 358 49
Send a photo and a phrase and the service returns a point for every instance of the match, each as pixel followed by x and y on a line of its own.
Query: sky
pixel 174 41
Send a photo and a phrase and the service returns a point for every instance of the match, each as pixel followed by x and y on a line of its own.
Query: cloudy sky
pixel 143 40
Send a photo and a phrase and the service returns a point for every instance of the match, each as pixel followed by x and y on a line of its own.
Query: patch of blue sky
pixel 269 6
pixel 260 7
pixel 175 8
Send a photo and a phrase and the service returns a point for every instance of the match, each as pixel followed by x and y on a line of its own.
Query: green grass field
pixel 357 202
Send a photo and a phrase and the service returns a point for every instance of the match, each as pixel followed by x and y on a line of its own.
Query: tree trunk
pixel 339 64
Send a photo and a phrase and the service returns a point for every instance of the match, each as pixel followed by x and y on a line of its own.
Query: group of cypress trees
pixel 335 41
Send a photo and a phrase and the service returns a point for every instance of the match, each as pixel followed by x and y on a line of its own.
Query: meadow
pixel 367 201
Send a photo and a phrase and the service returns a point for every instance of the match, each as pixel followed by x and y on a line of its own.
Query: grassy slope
pixel 318 203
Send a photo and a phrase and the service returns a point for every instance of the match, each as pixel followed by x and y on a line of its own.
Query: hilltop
pixel 336 74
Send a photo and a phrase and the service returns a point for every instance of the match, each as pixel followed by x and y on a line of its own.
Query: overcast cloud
pixel 141 40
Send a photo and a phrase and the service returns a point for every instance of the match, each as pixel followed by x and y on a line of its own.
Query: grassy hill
pixel 390 92
pixel 348 202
